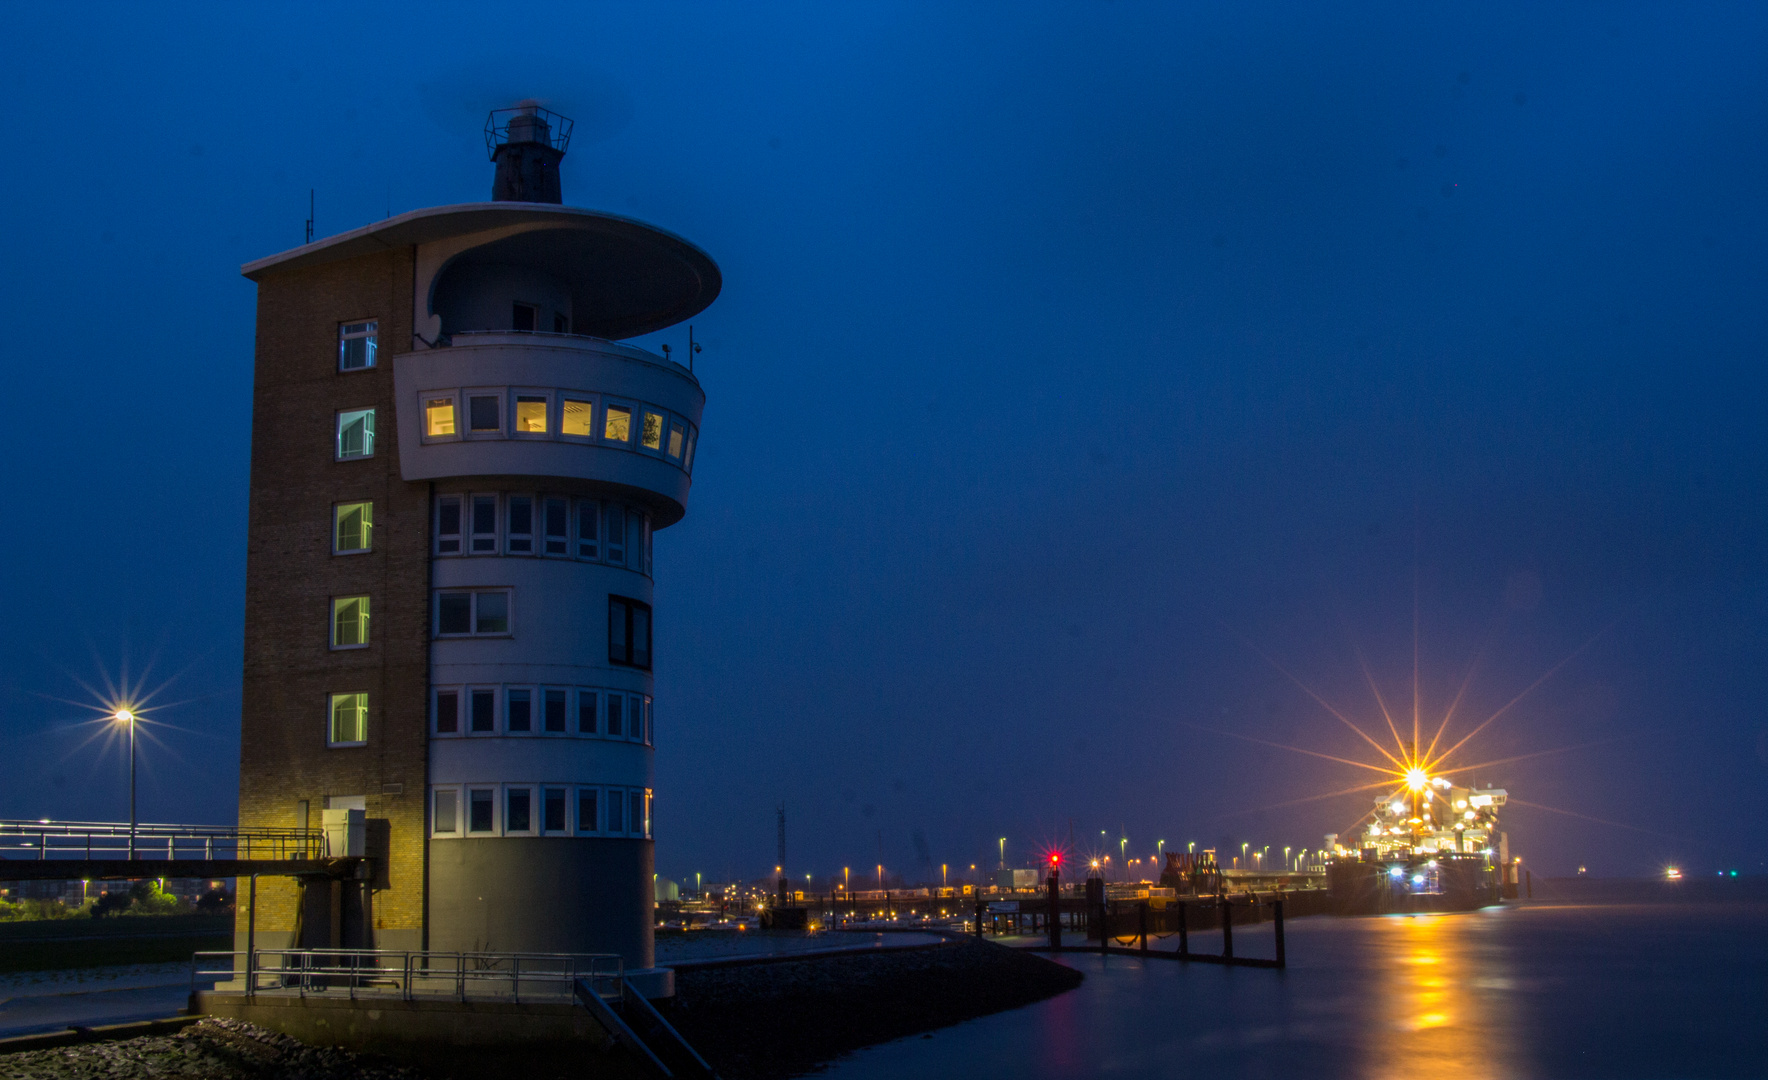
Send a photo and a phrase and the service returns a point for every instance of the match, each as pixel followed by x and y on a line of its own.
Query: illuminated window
pixel 586 710
pixel 577 418
pixel 447 712
pixel 653 432
pixel 439 417
pixel 553 711
pixel 617 424
pixel 484 414
pixel 521 525
pixel 472 613
pixel 481 810
pixel 349 720
pixel 349 622
pixel 518 715
pixel 552 810
pixel 448 525
pixel 530 414
pixel 356 345
pixel 676 434
pixel 555 519
pixel 484 524
pixel 355 434
pixel 447 812
pixel 352 528
pixel 586 807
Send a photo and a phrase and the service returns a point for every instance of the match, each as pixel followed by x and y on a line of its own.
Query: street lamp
pixel 124 716
pixel 1003 853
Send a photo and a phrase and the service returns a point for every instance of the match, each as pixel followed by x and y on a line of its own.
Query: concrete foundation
pixel 543 894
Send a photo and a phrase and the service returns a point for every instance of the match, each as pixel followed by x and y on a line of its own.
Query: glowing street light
pixel 124 716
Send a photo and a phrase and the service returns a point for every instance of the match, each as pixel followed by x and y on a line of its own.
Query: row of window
pixel 540 710
pixel 510 710
pixel 539 810
pixel 550 526
pixel 464 613
pixel 554 526
pixel 517 413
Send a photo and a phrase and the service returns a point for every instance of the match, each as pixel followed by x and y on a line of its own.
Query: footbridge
pixel 46 850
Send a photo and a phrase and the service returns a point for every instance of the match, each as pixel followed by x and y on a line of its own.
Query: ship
pixel 1430 846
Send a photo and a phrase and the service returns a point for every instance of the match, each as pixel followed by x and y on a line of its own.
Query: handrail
pixel 414 974
pixel 89 840
pixel 619 1029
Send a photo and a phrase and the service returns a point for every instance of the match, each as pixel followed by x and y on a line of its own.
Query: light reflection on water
pixel 1559 990
pixel 1439 996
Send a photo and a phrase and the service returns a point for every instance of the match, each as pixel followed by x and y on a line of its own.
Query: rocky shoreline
pixel 766 1020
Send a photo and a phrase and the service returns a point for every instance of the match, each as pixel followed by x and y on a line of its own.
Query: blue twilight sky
pixel 1073 359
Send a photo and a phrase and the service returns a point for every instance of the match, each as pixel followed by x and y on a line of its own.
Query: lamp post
pixel 124 716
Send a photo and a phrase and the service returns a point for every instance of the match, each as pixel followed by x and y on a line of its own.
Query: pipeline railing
pixel 90 840
pixel 461 976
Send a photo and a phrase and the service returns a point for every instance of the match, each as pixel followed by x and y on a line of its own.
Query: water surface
pixel 1590 989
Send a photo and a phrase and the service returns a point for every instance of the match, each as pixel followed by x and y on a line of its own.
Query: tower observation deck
pixel 457 470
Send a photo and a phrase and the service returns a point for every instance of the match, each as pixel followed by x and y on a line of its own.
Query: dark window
pixel 587 512
pixel 641 636
pixel 484 413
pixel 554 719
pixel 616 534
pixel 356 345
pixel 616 709
pixel 522 318
pixel 447 811
pixel 555 512
pixel 586 712
pixel 521 540
pixel 459 613
pixel 552 809
pixel 586 810
pixel 519 712
pixel 491 614
pixel 629 632
pixel 485 523
pixel 615 802
pixel 561 325
pixel 480 811
pixel 447 713
pixel 454 613
pixel 518 815
pixel 635 821
pixel 484 710
pixel 448 525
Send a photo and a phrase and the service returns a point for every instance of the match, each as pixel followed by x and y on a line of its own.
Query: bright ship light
pixel 1417 779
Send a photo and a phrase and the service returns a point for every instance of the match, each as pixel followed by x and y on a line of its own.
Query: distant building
pixel 456 471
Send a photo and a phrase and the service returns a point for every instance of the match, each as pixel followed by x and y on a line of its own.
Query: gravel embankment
pixel 211 1049
pixel 767 1021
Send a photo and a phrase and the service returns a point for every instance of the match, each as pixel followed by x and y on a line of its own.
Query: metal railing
pixel 409 976
pixel 113 840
